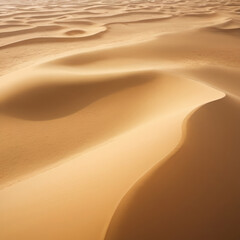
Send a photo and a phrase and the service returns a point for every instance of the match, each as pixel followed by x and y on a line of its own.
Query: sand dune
pixel 119 120
pixel 196 191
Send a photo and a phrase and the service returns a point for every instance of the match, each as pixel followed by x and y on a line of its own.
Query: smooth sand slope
pixel 120 120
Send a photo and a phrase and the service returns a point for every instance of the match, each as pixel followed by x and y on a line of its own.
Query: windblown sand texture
pixel 120 120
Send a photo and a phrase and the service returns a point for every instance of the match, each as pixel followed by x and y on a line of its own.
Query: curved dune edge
pixel 114 228
pixel 192 191
pixel 197 184
pixel 45 113
pixel 86 178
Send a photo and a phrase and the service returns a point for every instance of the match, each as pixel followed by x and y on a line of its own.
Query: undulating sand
pixel 120 120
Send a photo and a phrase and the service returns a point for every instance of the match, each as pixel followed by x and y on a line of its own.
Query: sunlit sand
pixel 120 120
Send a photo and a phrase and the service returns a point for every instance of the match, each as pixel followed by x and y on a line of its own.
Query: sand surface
pixel 120 120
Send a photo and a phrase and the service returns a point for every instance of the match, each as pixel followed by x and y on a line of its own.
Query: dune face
pixel 119 120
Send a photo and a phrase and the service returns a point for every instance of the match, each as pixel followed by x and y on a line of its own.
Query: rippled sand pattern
pixel 119 120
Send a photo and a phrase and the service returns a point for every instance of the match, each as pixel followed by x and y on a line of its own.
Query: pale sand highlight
pixel 120 120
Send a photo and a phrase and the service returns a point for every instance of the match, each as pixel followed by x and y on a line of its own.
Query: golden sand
pixel 120 120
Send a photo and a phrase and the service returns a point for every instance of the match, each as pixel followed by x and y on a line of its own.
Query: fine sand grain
pixel 120 120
